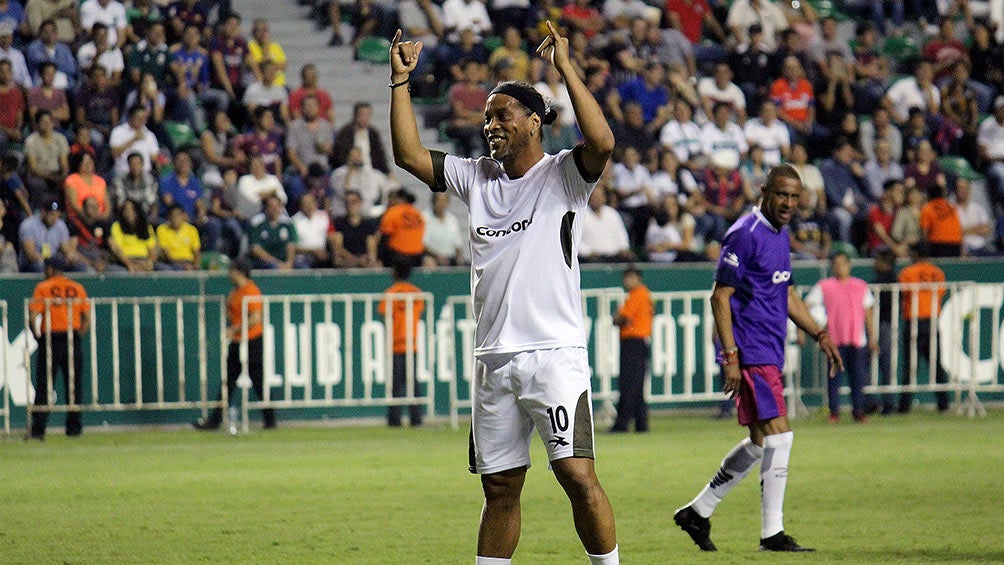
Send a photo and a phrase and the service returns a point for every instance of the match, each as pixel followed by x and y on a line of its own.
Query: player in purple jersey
pixel 752 300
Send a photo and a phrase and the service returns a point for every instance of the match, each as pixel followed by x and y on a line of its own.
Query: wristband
pixel 821 334
pixel 730 354
pixel 402 83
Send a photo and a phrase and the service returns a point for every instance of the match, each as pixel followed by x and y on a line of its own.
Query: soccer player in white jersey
pixel 531 368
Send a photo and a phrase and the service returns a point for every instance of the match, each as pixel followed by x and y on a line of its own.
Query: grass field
pixel 922 488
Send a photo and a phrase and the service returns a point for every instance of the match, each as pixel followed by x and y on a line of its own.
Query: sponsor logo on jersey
pixel 731 259
pixel 781 277
pixel 558 441
pixel 517 226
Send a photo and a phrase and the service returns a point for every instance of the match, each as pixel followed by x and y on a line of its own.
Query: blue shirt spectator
pixel 181 186
pixel 647 91
pixel 48 48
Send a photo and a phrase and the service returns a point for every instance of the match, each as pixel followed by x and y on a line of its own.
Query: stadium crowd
pixel 155 135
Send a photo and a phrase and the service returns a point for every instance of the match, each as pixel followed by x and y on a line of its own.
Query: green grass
pixel 923 488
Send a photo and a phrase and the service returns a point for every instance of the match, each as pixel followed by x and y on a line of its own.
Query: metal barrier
pixel 317 340
pixel 146 350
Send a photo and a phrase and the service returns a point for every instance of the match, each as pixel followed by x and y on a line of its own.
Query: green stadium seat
pixel 214 261
pixel 959 167
pixel 900 48
pixel 374 49
pixel 182 135
pixel 492 43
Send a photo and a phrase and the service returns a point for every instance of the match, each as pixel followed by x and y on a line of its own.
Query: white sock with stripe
pixel 611 558
pixel 773 480
pixel 492 561
pixel 735 466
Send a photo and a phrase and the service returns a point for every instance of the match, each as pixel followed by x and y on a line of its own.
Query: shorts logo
pixel 731 259
pixel 517 226
pixel 558 441
pixel 781 276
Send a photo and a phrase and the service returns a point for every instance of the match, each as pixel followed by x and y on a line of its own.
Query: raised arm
pixel 409 153
pixel 598 139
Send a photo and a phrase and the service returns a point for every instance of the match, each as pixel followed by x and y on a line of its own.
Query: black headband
pixel 533 103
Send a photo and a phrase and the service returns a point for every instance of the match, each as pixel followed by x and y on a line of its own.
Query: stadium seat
pixel 374 49
pixel 182 135
pixel 959 167
pixel 214 261
pixel 900 49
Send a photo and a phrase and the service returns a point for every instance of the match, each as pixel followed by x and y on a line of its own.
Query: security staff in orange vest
pixel 405 339
pixel 244 287
pixel 635 321
pixel 59 311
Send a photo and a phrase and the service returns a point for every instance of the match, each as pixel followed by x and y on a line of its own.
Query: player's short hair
pixel 242 266
pixel 402 267
pixel 785 171
pixel 632 270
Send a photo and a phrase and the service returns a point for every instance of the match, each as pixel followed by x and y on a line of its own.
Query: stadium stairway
pixel 347 80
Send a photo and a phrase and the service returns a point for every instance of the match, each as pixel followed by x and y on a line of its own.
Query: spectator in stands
pixel 917 130
pixel 190 65
pixel 309 87
pixel 183 13
pixel 267 93
pixel 683 137
pixel 8 252
pixel 724 190
pixel 150 96
pixel 109 13
pixel 928 305
pixel 57 325
pixel 986 57
pixel 141 16
pixel 360 133
pixel 990 141
pixel 261 48
pixel 48 47
pixel 82 142
pixel 923 171
pixel 222 207
pixel 670 232
pixel 881 218
pixel 264 140
pixel 719 89
pixel 422 20
pixel 450 57
pixel 753 171
pixel 354 242
pixel 138 185
pixel 633 132
pixel 313 226
pixel 101 52
pixel 809 232
pixel 14 194
pixel 770 134
pixel 242 329
pixel 977 229
pixel 404 315
pixel 847 302
pixel 64 15
pixel 97 106
pixel 151 55
pixel 752 63
pixel 134 137
pixel 512 49
pixel 309 141
pixel 812 178
pixel 723 135
pixel 254 188
pixel 465 14
pixel 181 187
pixel 960 108
pixel 796 101
pixel 632 181
pixel 917 91
pixel 944 50
pixel 402 230
pixel 835 100
pixel 444 242
pixel 13 55
pixel 12 108
pixel 273 239
pixel 880 127
pixel 48 97
pixel 649 91
pixel 881 169
pixel 46 153
pixel 906 224
pixel 133 241
pixel 939 222
pixel 228 55
pixel 85 183
pixel 371 184
pixel 45 235
pixel 871 69
pixel 829 43
pixel 467 105
pixel 581 15
pixel 847 195
pixel 219 150
pixel 745 13
pixel 179 242
pixel 90 231
pixel 604 236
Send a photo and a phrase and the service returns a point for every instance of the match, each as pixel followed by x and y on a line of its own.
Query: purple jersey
pixel 756 261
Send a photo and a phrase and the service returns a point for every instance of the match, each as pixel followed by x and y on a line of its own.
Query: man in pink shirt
pixel 847 303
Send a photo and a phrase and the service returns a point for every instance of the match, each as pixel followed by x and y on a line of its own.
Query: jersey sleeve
pixel 459 175
pixel 736 255
pixel 577 186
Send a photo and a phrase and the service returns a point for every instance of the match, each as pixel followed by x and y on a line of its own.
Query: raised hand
pixel 403 57
pixel 554 48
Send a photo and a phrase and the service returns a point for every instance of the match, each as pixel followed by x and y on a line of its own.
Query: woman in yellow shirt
pixel 261 47
pixel 132 240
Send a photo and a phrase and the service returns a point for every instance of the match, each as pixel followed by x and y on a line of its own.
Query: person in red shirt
pixel 60 316
pixel 244 288
pixel 405 313
pixel 12 105
pixel 635 322
pixel 796 101
pixel 881 217
pixel 690 17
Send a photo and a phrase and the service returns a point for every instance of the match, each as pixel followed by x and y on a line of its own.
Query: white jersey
pixel 524 269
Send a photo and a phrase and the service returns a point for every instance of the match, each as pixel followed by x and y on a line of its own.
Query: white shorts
pixel 515 392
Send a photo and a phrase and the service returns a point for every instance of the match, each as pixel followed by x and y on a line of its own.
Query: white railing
pixel 5 373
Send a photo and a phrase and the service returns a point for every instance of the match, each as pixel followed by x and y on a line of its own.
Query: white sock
pixel 492 561
pixel 736 465
pixel 611 558
pixel 773 479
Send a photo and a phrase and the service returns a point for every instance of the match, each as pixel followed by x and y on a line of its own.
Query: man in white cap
pixel 10 53
pixel 991 144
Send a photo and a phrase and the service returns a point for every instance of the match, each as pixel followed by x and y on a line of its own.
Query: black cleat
pixel 782 542
pixel 698 527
